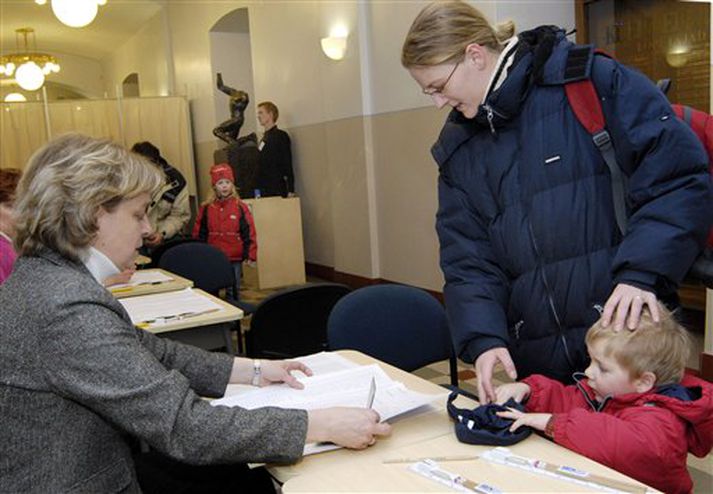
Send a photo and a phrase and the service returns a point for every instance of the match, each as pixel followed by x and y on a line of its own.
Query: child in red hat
pixel 225 221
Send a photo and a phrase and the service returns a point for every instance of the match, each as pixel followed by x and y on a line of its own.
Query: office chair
pixel 400 325
pixel 293 322
pixel 210 270
pixel 156 253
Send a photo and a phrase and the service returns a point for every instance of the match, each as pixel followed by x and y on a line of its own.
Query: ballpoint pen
pixel 372 394
pixel 433 458
pixel 175 317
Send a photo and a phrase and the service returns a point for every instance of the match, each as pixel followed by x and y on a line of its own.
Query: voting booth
pixel 280 250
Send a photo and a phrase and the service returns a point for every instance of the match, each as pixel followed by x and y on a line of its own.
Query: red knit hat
pixel 220 171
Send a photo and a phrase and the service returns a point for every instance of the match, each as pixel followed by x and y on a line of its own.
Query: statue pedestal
pixel 280 251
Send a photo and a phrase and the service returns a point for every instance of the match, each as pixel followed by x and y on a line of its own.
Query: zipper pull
pixel 517 327
pixel 490 115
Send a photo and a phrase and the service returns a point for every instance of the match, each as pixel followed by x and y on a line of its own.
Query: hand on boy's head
pixel 625 305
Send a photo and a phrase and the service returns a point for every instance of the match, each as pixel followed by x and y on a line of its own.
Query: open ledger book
pixel 336 382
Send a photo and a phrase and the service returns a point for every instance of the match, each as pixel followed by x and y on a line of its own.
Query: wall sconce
pixel 335 45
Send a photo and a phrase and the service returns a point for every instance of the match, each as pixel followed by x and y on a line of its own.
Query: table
pixel 178 283
pixel 424 435
pixel 206 330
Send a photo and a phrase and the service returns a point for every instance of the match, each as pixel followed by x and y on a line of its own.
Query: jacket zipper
pixel 490 115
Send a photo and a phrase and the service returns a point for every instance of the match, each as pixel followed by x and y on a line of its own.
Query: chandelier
pixel 74 13
pixel 29 67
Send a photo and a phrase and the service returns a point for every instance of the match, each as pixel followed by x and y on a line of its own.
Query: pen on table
pixel 434 458
pixel 176 317
pixel 372 394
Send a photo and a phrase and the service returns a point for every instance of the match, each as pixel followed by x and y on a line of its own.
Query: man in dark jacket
pixel 275 176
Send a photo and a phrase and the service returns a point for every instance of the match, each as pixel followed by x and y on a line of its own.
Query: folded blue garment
pixel 482 426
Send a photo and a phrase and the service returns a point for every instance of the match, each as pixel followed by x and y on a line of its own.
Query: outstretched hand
pixel 484 366
pixel 535 420
pixel 280 371
pixel 625 305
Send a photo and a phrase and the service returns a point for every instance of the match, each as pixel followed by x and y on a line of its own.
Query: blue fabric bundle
pixel 482 425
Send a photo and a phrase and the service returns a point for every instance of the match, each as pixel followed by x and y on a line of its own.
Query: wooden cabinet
pixel 280 250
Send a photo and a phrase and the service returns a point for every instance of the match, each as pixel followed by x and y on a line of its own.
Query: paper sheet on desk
pixel 349 387
pixel 167 305
pixel 144 278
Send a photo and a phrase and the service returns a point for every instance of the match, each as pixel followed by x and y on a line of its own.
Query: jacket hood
pixel 691 401
pixel 541 58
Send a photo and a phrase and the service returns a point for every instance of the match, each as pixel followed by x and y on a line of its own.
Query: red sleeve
pixel 252 252
pixel 638 443
pixel 550 396
pixel 197 224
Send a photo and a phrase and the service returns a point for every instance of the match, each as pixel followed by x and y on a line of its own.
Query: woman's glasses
pixel 430 91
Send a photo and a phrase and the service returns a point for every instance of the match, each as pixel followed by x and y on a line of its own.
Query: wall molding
pixel 354 281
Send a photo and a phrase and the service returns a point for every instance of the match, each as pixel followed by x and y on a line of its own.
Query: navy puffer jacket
pixel 528 239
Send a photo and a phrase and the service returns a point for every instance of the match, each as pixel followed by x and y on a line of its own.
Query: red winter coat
pixel 645 436
pixel 228 225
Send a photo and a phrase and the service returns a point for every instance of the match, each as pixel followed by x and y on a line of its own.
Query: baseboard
pixel 328 273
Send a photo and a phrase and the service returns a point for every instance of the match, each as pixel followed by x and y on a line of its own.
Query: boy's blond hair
pixel 658 347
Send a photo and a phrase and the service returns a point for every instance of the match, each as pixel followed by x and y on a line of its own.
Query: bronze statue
pixel 228 131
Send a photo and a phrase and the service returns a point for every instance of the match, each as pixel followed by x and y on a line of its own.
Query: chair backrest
pixel 400 325
pixel 157 252
pixel 207 266
pixel 293 322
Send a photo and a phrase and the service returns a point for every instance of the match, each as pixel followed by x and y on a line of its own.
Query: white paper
pixel 144 277
pixel 348 387
pixel 165 307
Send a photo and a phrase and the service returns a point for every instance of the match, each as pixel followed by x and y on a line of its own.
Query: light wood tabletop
pixel 176 283
pixel 426 435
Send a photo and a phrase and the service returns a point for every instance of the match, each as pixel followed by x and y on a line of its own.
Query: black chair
pixel 156 253
pixel 400 325
pixel 293 322
pixel 210 270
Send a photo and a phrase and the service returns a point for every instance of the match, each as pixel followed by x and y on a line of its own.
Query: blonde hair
pixel 65 184
pixel 271 109
pixel 658 347
pixel 442 31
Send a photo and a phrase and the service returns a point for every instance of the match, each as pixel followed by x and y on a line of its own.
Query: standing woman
pixel 529 245
pixel 80 384
pixel 9 177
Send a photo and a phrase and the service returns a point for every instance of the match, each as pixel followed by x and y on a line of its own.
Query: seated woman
pixel 80 383
pixel 8 183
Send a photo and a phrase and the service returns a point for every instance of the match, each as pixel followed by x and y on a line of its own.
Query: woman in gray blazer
pixel 77 380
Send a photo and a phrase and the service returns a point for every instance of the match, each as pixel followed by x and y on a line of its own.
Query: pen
pixel 176 317
pixel 372 394
pixel 432 458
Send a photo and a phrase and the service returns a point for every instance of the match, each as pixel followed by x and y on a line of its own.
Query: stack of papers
pixel 346 387
pixel 149 277
pixel 167 307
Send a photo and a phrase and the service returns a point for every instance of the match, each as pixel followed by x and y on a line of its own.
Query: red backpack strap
pixel 585 103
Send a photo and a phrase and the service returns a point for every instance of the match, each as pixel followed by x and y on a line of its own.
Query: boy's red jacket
pixel 228 225
pixel 646 436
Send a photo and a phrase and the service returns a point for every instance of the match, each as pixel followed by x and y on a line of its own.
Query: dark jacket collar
pixel 540 59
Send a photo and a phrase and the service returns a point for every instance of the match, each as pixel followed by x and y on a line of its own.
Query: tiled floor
pixel 701 469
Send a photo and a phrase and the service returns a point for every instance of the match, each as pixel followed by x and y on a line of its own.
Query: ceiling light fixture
pixel 76 13
pixel 15 98
pixel 29 67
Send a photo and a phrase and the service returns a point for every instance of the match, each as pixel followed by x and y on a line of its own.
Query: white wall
pixel 148 54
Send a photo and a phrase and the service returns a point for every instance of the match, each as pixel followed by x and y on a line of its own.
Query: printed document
pixel 346 387
pixel 152 309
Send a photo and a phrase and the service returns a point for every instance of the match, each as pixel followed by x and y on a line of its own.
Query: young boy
pixel 225 221
pixel 635 412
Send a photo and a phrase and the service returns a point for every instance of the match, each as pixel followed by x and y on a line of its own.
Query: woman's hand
pixel 279 371
pixel 271 372
pixel 484 366
pixel 535 420
pixel 625 304
pixel 516 391
pixel 355 428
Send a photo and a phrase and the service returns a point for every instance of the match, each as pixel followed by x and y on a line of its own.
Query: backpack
pixel 585 103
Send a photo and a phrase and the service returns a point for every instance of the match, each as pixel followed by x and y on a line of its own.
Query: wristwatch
pixel 257 373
